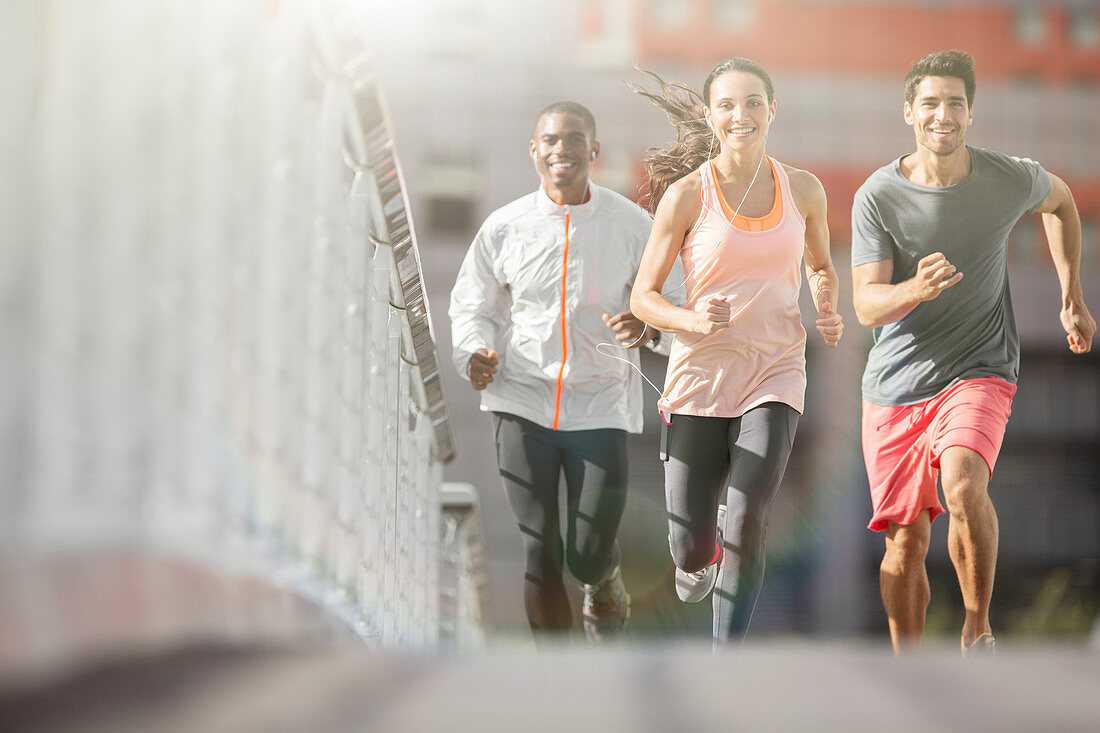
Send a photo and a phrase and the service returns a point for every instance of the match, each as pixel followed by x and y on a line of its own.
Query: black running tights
pixel 532 460
pixel 743 458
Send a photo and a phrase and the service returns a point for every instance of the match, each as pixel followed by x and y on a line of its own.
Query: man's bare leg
pixel 972 534
pixel 903 581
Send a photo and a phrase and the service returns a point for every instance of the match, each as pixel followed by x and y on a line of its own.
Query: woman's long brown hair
pixel 695 143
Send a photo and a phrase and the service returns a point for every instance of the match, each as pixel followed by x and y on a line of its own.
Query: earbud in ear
pixel 593 156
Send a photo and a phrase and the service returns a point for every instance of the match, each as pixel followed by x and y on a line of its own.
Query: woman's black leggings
pixel 532 460
pixel 747 456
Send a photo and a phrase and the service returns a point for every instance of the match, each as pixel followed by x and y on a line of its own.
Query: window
pixel 450 214
pixel 605 32
pixel 735 15
pixel 1083 29
pixel 669 13
pixel 452 185
pixel 1031 26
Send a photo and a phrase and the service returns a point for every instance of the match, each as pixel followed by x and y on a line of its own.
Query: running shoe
pixel 984 646
pixel 606 609
pixel 694 587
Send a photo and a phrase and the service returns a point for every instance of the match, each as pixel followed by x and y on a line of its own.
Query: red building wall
pixel 869 38
pixel 873 40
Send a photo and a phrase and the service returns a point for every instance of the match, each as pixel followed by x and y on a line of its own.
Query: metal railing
pixel 222 332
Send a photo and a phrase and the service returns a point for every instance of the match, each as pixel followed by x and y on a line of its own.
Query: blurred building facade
pixel 467 78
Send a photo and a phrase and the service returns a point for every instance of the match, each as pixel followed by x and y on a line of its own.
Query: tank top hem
pixel 795 405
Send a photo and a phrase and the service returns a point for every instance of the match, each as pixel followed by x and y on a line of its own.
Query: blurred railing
pixel 223 344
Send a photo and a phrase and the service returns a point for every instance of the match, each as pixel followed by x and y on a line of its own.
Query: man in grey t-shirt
pixel 929 272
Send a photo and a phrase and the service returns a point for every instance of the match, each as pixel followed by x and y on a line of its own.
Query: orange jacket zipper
pixel 564 340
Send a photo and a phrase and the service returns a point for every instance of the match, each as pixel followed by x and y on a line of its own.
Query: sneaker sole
pixel 693 594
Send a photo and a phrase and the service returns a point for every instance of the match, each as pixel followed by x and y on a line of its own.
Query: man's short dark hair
pixel 570 108
pixel 956 64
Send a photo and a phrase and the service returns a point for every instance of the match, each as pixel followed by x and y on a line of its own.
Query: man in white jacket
pixel 545 281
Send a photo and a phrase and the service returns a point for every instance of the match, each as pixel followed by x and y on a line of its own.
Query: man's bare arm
pixel 1062 224
pixel 878 301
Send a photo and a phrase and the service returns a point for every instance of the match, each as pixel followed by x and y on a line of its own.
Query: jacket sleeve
pixel 478 309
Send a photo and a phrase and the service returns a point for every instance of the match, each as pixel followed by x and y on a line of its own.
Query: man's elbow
pixel 1060 204
pixel 865 318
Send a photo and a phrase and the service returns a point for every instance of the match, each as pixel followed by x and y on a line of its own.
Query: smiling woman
pixel 733 394
pixel 695 138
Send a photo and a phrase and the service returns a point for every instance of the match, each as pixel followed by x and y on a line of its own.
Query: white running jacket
pixel 534 286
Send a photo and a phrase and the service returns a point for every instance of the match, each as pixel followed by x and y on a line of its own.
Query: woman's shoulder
pixel 805 186
pixel 681 204
pixel 685 191
pixel 801 179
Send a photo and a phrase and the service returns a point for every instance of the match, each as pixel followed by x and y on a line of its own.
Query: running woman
pixel 742 224
pixel 546 280
pixel 929 272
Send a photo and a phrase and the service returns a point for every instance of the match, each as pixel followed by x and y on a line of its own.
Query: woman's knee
pixel 689 552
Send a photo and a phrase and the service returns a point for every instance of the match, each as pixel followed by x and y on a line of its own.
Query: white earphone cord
pixel 729 223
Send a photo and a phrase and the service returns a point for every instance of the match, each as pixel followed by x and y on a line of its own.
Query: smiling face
pixel 739 111
pixel 563 149
pixel 939 114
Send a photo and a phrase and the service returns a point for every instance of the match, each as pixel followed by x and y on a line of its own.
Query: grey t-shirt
pixel 969 330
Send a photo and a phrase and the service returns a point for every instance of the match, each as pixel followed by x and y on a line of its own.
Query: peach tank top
pixel 761 356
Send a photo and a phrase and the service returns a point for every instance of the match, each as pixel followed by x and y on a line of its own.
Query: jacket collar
pixel 547 206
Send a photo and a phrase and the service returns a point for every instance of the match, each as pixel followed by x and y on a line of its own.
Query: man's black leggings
pixel 532 460
pixel 742 459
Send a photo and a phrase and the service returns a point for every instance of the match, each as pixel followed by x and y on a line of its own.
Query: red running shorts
pixel 902 445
